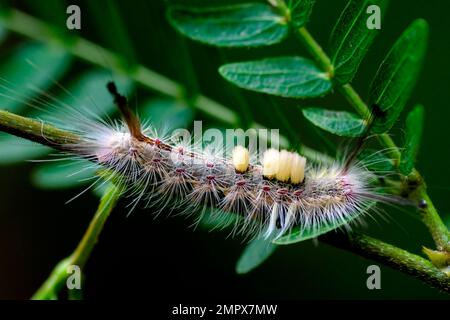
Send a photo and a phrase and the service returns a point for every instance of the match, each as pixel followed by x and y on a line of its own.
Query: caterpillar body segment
pixel 274 196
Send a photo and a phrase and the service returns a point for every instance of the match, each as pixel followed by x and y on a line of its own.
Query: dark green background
pixel 138 256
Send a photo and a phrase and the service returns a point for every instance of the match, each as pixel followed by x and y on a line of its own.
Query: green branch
pixel 392 256
pixel 56 281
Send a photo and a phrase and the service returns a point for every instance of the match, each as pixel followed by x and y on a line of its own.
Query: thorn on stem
pixel 128 115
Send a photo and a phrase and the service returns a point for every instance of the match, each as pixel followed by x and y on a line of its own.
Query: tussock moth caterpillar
pixel 272 197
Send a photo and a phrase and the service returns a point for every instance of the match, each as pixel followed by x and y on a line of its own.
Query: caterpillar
pixel 272 196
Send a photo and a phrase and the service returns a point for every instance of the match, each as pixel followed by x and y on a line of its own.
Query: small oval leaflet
pixel 243 25
pixel 397 74
pixel 293 77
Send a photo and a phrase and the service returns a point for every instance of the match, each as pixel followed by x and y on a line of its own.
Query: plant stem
pixel 90 238
pixel 392 256
pixel 55 282
pixel 36 131
pixel 430 217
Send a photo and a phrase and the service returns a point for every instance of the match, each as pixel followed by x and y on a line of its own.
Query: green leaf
pixel 300 11
pixel 252 24
pixel 376 160
pixel 29 69
pixel 15 149
pixel 51 11
pixel 414 128
pixel 256 252
pixel 293 77
pixel 302 234
pixel 340 123
pixel 75 294
pixel 351 38
pixel 64 174
pixel 167 114
pixel 440 259
pixel 397 75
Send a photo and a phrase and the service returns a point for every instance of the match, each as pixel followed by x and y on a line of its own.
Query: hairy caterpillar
pixel 273 196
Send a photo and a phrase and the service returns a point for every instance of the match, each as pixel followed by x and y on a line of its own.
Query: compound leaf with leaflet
pixel 29 70
pixel 293 77
pixel 300 11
